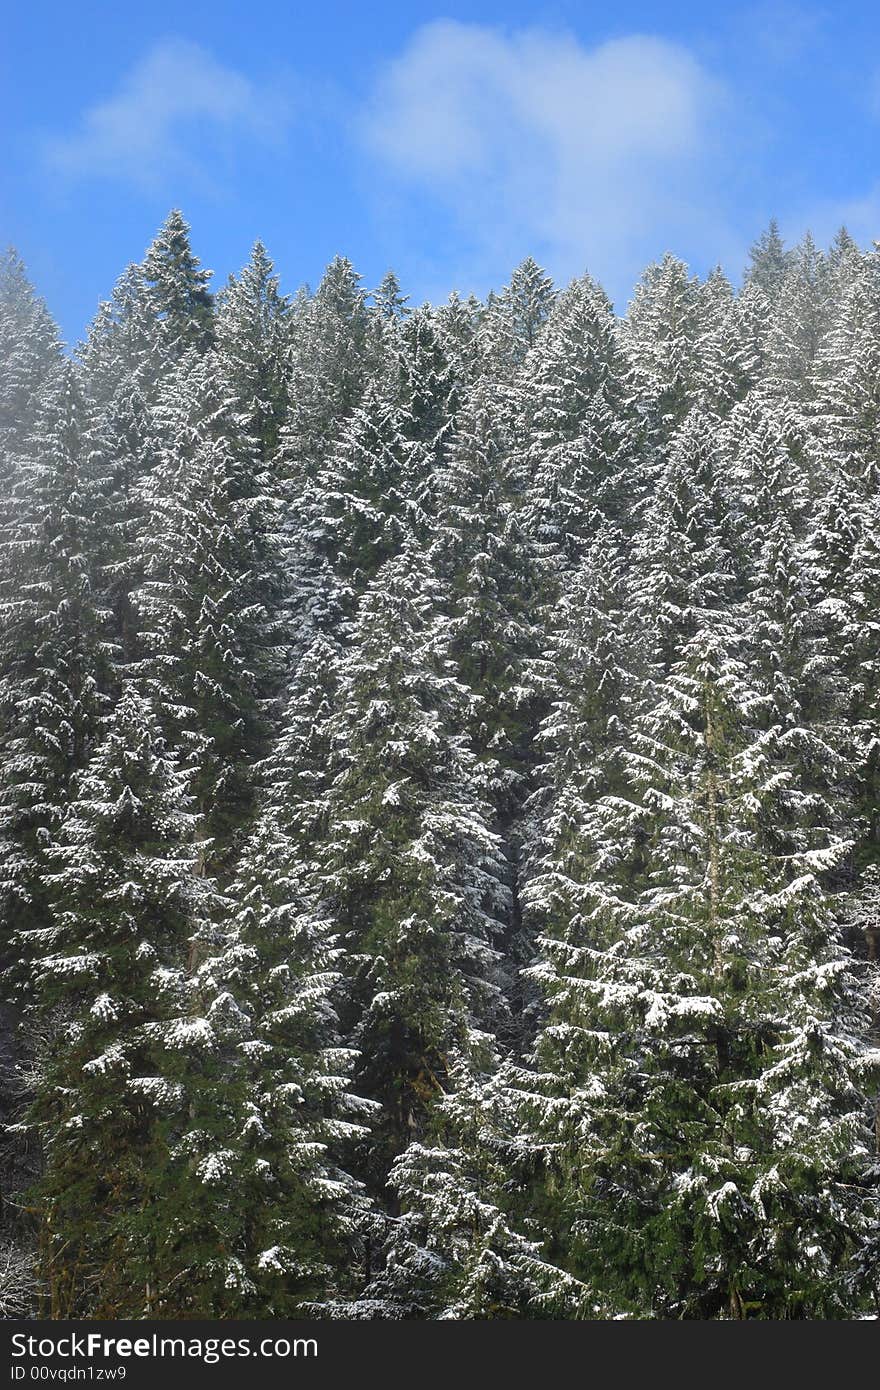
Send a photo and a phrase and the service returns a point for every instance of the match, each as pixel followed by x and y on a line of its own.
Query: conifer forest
pixel 440 796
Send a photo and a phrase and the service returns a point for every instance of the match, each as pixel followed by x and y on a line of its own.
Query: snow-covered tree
pixel 661 334
pixel 328 367
pixel 847 370
pixel 769 261
pixel 209 605
pixel 29 353
pixel 177 288
pixel 700 1081
pixel 577 432
pixel 126 1042
pixel 360 510
pixel 55 650
pixel 412 873
pixel 252 343
pixel 301 1218
pixel 488 566
pixel 514 319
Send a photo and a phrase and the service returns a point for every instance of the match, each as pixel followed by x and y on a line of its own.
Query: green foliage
pixel 440 795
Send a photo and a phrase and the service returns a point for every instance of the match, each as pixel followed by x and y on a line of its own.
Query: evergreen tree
pixel 488 566
pixel 732 343
pixel 389 299
pixel 178 288
pixel 662 334
pixel 846 371
pixel 209 606
pixel 253 340
pixel 577 432
pixel 768 261
pixel 413 874
pixel 454 1251
pixel 329 367
pixel 458 326
pixel 800 322
pixel 358 514
pixel 127 1047
pixel 429 392
pixel 710 1135
pixel 689 539
pixel 126 349
pixel 514 319
pixel 302 1218
pixel 29 352
pixel 55 653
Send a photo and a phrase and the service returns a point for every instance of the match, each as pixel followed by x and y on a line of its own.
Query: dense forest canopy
pixel 440 795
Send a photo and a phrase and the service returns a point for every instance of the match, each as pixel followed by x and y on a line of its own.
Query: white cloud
pixel 141 133
pixel 584 154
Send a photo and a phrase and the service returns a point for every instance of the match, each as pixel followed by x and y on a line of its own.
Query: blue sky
pixel 445 140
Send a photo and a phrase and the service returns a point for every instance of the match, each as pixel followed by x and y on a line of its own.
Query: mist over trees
pixel 440 795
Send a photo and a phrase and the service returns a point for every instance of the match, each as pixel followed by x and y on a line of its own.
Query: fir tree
pixel 29 351
pixel 178 288
pixel 253 340
pixel 711 1132
pixel 301 1219
pixel 127 1044
pixel 768 261
pixel 577 432
pixel 210 604
pixel 413 873
pixel 55 658
pixel 514 319
pixel 661 334
pixel 329 361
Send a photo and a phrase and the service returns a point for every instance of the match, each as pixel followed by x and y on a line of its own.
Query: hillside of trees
pixel 440 796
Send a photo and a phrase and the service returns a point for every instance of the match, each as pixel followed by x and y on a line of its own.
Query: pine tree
pixel 855 655
pixel 458 326
pixel 253 341
pixel 577 433
pixel 209 605
pixel 301 1218
pixel 178 288
pixel 596 664
pixel 296 776
pixel 846 371
pixel 768 261
pixel 359 512
pixel 429 393
pixel 329 367
pixel 126 348
pixel 389 300
pixel 731 343
pixel 489 567
pixel 454 1251
pixel 710 1133
pixel 800 322
pixel 492 580
pixel 514 319
pixel 412 872
pixel 689 539
pixel 661 335
pixel 55 655
pixel 126 1044
pixel 29 352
